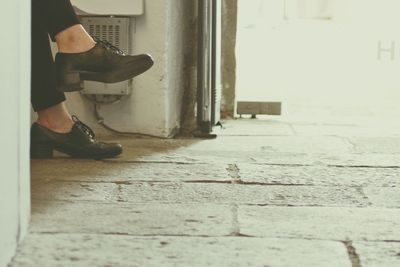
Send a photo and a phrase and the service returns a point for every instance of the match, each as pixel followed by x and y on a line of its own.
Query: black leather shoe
pixel 80 142
pixel 103 63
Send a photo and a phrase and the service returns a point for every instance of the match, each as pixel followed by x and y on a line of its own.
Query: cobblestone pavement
pixel 264 193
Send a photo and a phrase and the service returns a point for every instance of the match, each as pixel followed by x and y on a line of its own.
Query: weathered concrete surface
pixel 245 194
pixel 373 254
pixel 115 172
pixel 281 144
pixel 228 57
pixel 234 149
pixel 348 130
pixel 386 145
pixel 258 128
pixel 384 197
pixel 263 194
pixel 131 219
pixel 321 223
pixel 75 191
pixel 319 175
pixel 104 250
pixel 201 192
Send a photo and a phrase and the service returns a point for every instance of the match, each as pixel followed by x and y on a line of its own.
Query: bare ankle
pixel 77 47
pixel 56 126
pixel 74 40
pixel 56 118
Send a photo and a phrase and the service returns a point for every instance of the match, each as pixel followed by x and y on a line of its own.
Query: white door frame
pixel 15 121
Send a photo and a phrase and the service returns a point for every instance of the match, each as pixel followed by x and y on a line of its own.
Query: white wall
pixel 155 104
pixel 15 119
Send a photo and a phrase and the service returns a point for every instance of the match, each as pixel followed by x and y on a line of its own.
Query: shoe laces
pixel 108 45
pixel 83 127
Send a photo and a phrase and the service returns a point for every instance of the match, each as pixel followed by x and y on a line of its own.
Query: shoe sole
pixel 46 151
pixel 73 81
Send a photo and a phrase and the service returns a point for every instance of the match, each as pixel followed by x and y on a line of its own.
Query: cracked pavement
pixel 264 193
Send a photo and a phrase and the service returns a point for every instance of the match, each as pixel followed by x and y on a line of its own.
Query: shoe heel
pixel 69 82
pixel 41 151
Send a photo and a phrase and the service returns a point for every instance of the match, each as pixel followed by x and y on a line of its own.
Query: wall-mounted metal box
pixel 109 7
pixel 112 21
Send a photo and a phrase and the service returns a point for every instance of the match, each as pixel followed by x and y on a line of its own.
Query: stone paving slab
pixel 213 156
pixel 255 128
pixel 75 191
pixel 318 159
pixel 346 130
pixel 363 159
pixel 382 145
pixel 100 171
pixel 319 175
pixel 131 219
pixel 306 157
pixel 378 254
pixel 285 144
pixel 244 194
pixel 311 150
pixel 99 250
pixel 232 147
pixel 384 197
pixel 202 193
pixel 320 223
pixel 223 150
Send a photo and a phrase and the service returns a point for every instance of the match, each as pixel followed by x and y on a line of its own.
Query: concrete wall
pixel 15 120
pixel 155 104
pixel 228 72
pixel 181 65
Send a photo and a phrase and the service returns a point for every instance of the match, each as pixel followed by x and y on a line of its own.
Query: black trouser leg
pixel 48 17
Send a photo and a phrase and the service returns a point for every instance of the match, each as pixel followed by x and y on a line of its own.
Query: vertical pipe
pixel 213 64
pixel 204 66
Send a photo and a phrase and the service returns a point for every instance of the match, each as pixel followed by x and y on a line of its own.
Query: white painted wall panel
pixel 14 117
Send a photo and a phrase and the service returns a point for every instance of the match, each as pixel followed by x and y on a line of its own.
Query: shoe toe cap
pixel 114 149
pixel 147 60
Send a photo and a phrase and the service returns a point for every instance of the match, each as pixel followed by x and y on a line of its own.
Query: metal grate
pixel 110 33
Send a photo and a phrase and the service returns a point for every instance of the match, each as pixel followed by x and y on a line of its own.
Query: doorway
pixel 327 61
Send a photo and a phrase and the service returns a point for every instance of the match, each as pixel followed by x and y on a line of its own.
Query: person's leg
pixel 57 18
pixel 46 100
pixel 64 26
pixel 55 128
pixel 79 58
